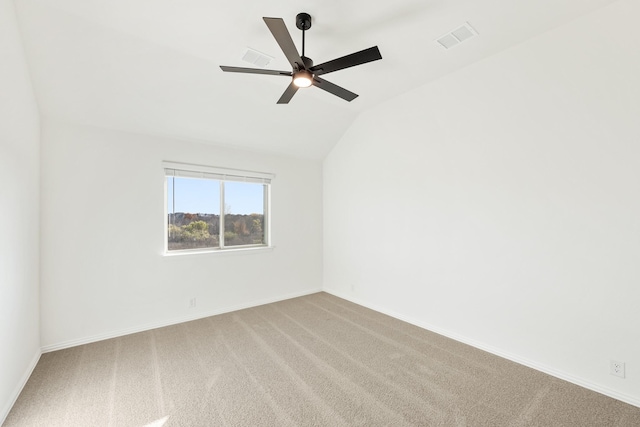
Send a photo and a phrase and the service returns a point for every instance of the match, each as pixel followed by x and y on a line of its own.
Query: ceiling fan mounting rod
pixel 303 22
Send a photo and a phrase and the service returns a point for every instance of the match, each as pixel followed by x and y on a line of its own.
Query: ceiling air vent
pixel 256 58
pixel 457 36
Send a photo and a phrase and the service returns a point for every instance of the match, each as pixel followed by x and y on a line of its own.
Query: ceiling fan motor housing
pixel 308 62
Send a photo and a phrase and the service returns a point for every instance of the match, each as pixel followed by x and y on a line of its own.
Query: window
pixel 213 209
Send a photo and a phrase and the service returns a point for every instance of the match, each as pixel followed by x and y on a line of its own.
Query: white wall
pixel 103 269
pixel 19 218
pixel 501 205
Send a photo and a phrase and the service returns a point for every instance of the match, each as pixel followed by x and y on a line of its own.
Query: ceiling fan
pixel 304 73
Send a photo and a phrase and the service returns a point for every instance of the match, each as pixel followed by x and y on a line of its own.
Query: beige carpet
pixel 311 361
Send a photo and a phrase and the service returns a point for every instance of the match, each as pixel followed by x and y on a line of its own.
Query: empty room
pixel 410 213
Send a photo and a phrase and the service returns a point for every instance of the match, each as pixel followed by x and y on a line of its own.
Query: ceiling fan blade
pixel 288 94
pixel 282 36
pixel 334 89
pixel 362 57
pixel 255 71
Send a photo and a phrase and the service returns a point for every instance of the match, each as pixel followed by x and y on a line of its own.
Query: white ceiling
pixel 152 66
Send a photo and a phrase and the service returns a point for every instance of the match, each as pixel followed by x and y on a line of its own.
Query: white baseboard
pixel 20 386
pixel 632 400
pixel 173 321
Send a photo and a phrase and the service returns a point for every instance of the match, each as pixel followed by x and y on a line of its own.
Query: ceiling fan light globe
pixel 303 78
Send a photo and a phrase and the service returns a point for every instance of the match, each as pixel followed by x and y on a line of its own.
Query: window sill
pixel 229 251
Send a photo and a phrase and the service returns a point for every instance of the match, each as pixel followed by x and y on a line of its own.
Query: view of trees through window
pixel 194 213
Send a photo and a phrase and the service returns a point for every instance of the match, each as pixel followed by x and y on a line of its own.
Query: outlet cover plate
pixel 617 368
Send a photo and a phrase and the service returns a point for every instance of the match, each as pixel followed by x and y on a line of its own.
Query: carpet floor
pixel 317 360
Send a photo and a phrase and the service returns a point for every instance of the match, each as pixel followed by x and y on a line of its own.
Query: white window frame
pixel 186 170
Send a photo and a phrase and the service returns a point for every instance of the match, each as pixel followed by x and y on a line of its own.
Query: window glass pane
pixel 194 213
pixel 244 213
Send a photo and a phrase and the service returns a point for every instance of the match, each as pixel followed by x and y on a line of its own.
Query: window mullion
pixel 222 209
pixel 173 203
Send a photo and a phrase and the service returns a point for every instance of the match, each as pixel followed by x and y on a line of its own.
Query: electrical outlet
pixel 617 368
pixel 192 303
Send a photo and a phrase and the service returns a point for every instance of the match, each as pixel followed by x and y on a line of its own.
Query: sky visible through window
pixel 194 195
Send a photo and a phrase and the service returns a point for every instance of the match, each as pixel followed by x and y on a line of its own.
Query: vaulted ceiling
pixel 152 66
